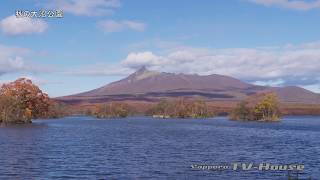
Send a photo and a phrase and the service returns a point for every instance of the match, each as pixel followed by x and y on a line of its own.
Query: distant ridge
pixel 147 85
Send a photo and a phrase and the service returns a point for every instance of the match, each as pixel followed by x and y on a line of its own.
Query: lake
pixel 80 147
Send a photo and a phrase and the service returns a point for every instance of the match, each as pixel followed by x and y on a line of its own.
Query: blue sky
pixel 267 42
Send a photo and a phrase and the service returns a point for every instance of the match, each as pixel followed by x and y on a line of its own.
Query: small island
pixel 260 107
pixel 180 108
pixel 111 110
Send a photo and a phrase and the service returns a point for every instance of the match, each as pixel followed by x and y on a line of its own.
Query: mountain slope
pixel 144 81
pixel 296 94
pixel 150 85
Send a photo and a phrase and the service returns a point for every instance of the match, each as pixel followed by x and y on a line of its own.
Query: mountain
pixel 151 85
pixel 296 94
pixel 145 81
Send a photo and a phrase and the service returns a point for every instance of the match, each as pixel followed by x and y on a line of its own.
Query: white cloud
pixel 9 65
pixel 135 60
pixel 11 59
pixel 14 59
pixel 290 4
pixel 281 65
pixel 19 26
pixel 276 66
pixel 117 26
pixel 134 25
pixel 85 7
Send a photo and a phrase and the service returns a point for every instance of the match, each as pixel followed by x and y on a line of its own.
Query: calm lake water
pixel 144 148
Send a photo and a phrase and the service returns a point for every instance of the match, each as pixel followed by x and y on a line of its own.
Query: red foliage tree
pixel 31 99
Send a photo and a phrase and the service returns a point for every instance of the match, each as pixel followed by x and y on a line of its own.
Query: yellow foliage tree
pixel 268 108
pixel 261 107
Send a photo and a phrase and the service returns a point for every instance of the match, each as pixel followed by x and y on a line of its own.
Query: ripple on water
pixel 86 148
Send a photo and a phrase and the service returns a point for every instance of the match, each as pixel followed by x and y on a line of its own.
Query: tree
pixel 57 110
pixel 11 111
pixel 181 108
pixel 263 107
pixel 268 108
pixel 163 107
pixel 25 99
pixel 199 108
pixel 241 112
pixel 113 110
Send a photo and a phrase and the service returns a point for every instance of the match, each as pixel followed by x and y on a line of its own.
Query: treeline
pixel 21 101
pixel 181 108
pixel 111 110
pixel 261 107
pixel 166 108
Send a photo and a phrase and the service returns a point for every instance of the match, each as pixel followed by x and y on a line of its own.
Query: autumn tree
pixel 57 110
pixel 241 112
pixel 113 110
pixel 11 111
pixel 261 107
pixel 199 108
pixel 268 108
pixel 24 99
pixel 181 108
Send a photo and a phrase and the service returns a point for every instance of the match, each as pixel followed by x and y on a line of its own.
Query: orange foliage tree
pixel 29 98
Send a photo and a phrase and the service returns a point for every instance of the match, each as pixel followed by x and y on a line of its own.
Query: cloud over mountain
pixel 289 64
